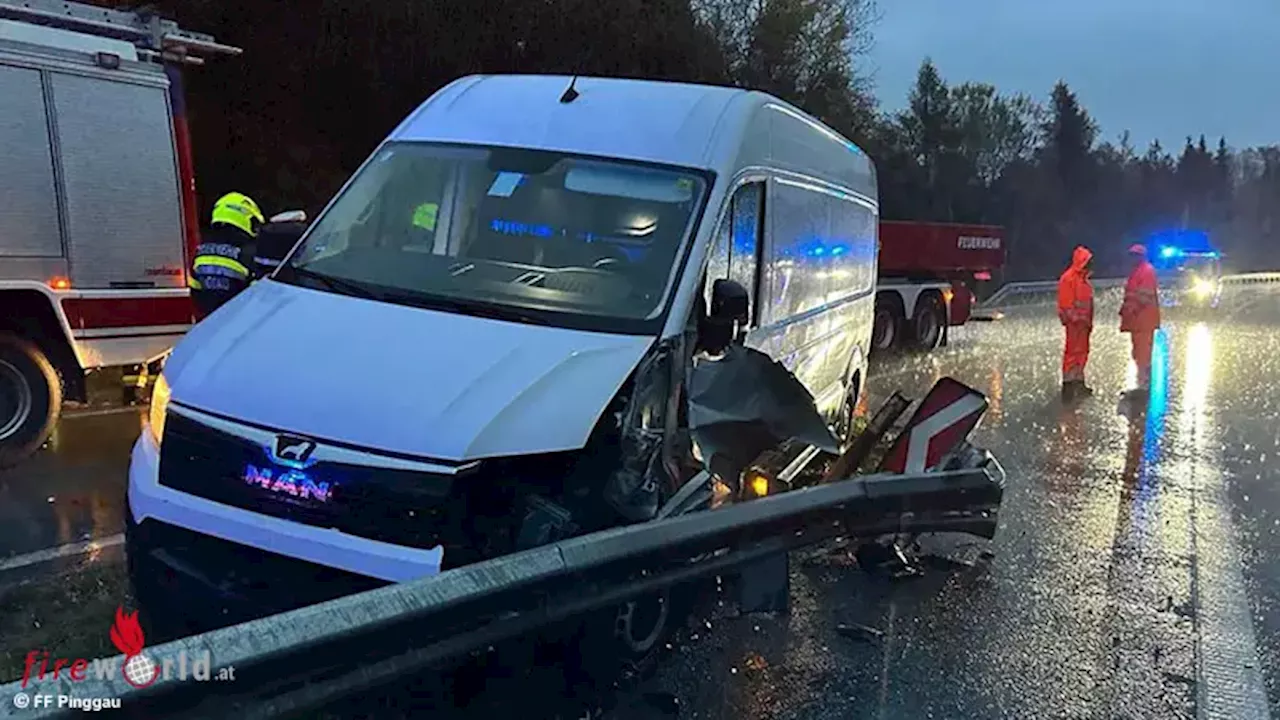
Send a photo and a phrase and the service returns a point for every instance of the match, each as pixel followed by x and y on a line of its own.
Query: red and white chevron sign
pixel 944 419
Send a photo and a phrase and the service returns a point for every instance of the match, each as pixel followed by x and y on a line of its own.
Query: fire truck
pixel 1189 268
pixel 98 213
pixel 927 276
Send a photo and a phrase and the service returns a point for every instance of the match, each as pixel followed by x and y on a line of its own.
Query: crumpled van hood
pixel 399 379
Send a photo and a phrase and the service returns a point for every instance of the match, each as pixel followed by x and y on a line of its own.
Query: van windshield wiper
pixel 336 284
pixel 475 309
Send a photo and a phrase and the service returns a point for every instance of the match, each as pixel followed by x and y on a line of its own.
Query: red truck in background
pixel 927 275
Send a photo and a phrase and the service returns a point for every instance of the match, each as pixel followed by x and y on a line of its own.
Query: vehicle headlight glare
pixel 1202 288
pixel 159 408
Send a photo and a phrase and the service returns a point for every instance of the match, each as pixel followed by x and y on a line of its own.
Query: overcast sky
pixel 1159 68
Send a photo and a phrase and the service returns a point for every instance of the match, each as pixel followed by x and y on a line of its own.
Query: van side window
pixel 736 252
pixel 853 231
pixel 718 260
pixel 823 248
pixel 744 251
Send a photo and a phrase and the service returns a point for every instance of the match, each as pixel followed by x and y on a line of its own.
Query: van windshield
pixel 515 234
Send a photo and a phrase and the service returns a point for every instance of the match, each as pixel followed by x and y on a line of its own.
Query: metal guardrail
pixel 1036 292
pixel 292 664
pixel 1042 292
pixel 1246 279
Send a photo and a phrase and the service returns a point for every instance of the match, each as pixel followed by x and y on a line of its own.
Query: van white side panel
pixel 124 218
pixel 818 281
pixel 28 195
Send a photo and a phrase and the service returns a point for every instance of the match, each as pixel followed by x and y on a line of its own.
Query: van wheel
pixel 928 321
pixel 848 411
pixel 888 321
pixel 640 624
pixel 30 399
pixel 628 639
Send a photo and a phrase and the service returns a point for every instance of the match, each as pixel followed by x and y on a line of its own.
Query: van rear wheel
pixel 30 399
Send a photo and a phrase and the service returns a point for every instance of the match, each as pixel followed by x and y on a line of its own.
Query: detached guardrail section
pixel 292 664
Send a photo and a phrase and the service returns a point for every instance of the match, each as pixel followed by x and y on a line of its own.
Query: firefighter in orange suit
pixel 1140 313
pixel 1075 310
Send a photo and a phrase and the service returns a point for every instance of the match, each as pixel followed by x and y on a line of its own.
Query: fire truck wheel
pixel 928 321
pixel 888 322
pixel 30 399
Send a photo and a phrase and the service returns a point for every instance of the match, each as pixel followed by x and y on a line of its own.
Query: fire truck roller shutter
pixel 123 206
pixel 28 196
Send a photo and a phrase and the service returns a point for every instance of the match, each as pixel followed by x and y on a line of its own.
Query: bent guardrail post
pixel 295 662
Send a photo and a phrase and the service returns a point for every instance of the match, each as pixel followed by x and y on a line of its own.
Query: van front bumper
pixel 237 553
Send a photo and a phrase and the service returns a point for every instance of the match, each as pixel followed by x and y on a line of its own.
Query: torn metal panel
pixel 743 403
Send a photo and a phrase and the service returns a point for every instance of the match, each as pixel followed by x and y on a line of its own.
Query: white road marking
pixel 1228 672
pixel 61 551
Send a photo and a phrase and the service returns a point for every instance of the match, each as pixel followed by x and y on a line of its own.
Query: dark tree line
pixel 322 81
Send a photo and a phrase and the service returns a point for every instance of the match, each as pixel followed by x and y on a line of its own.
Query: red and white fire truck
pixel 98 214
pixel 927 275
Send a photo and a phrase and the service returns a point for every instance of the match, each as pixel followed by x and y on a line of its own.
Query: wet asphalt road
pixel 1136 570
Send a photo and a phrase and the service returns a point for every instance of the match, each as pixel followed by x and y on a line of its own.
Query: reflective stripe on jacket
pixel 1140 311
pixel 224 263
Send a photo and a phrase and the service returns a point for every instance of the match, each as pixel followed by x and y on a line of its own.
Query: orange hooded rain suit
pixel 1075 310
pixel 1140 317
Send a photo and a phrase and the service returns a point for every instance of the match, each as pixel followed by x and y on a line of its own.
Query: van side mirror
pixel 723 324
pixel 729 302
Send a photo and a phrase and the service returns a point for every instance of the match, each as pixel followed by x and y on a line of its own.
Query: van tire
pixel 30 399
pixel 651 620
pixel 847 419
pixel 928 322
pixel 886 331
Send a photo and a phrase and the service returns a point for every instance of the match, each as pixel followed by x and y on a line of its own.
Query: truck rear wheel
pixel 928 321
pixel 30 399
pixel 888 323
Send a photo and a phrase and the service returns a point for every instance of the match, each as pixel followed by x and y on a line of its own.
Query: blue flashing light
pixel 1168 252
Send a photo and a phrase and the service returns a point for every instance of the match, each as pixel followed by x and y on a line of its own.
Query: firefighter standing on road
pixel 1140 313
pixel 224 263
pixel 1075 310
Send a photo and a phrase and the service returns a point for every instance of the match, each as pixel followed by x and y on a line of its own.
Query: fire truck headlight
pixel 1202 288
pixel 159 408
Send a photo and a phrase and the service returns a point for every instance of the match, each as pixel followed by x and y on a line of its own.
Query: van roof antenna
pixel 570 93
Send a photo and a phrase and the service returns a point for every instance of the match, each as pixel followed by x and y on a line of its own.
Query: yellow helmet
pixel 238 210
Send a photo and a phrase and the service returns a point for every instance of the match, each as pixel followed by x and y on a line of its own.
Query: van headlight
pixel 159 408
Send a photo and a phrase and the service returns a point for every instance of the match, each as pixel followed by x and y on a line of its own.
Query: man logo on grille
pixel 294 449
pixel 138 669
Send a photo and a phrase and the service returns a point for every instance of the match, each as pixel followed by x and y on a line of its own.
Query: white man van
pixel 481 343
